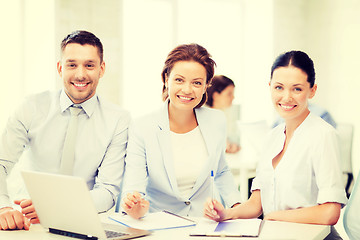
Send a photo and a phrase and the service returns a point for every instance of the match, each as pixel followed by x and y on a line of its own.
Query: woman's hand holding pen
pixel 135 205
pixel 215 210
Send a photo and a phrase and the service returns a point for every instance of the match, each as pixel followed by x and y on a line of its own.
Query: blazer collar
pixel 163 135
pixel 206 126
pixel 163 121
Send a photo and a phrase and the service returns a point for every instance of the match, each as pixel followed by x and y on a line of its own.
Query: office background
pixel 244 37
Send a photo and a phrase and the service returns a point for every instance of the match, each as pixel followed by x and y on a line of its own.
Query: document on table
pixel 153 221
pixel 230 228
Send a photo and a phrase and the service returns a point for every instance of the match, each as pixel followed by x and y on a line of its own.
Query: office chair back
pixel 351 218
pixel 345 132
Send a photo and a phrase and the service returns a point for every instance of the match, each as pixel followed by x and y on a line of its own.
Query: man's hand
pixel 11 219
pixel 28 210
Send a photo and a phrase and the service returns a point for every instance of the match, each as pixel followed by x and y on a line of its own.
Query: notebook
pixel 154 221
pixel 64 206
pixel 229 228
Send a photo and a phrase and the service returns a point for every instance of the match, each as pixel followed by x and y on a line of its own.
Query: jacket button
pixel 187 203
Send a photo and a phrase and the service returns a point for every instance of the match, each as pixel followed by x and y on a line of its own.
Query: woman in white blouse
pixel 172 152
pixel 298 177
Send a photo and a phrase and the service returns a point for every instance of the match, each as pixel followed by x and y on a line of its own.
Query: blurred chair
pixel 351 219
pixel 345 131
pixel 243 164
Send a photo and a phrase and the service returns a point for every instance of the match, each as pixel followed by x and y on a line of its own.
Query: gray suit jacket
pixel 150 168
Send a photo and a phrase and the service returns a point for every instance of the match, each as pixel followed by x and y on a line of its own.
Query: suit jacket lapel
pixel 163 135
pixel 206 127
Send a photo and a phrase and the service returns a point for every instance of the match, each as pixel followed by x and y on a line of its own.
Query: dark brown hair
pixel 188 52
pixel 299 60
pixel 83 37
pixel 218 84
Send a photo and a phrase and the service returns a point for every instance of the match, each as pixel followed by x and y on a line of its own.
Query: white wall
pixel 11 64
pixel 150 35
pixel 27 41
pixel 147 38
pixel 256 57
pixel 104 19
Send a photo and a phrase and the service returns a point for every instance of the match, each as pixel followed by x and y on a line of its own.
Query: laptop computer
pixel 64 206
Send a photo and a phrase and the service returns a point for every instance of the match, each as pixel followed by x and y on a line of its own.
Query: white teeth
pixel 287 107
pixel 80 84
pixel 185 98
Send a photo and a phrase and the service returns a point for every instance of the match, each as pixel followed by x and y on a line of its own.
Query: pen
pixel 212 184
pixel 178 216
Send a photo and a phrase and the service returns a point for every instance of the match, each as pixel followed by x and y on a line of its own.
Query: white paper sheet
pixel 233 228
pixel 153 221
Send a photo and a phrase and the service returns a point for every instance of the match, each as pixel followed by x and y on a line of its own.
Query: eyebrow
pixel 295 85
pixel 179 75
pixel 198 78
pixel 73 60
pixel 278 83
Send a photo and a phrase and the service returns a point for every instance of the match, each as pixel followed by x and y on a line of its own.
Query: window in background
pixel 27 63
pixel 11 63
pixel 39 48
pixel 216 25
pixel 150 35
pixel 232 31
pixel 147 38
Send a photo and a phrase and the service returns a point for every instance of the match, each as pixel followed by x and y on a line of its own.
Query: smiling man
pixel 81 67
pixel 41 123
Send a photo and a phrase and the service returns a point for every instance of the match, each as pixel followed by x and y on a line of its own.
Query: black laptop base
pixel 71 234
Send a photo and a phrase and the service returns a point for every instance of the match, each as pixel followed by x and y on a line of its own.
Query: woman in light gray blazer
pixel 176 156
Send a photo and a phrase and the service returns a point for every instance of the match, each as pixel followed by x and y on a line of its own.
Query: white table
pixel 270 230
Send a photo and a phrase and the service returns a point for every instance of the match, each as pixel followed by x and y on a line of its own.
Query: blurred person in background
pixel 220 96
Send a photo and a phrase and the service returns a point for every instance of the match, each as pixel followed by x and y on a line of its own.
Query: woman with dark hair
pixel 298 177
pixel 173 152
pixel 220 96
pixel 220 92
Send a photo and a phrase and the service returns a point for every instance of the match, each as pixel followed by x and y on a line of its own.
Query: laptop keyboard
pixel 112 234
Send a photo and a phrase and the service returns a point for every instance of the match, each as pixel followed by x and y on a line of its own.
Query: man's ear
pixel 59 68
pixel 102 69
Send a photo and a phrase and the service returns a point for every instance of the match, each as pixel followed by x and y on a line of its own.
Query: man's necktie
pixel 68 156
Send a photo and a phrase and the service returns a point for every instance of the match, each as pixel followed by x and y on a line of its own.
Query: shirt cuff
pixel 5 202
pixel 332 195
pixel 103 199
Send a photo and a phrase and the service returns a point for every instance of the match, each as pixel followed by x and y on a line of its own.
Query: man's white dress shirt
pixel 39 125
